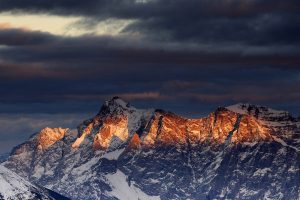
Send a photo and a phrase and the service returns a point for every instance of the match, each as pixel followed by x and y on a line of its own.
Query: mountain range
pixel 242 151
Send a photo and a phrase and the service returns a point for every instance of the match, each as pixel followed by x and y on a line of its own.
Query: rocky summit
pixel 238 152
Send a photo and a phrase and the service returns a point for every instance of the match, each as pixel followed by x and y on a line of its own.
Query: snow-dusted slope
pixel 239 152
pixel 13 187
pixel 123 191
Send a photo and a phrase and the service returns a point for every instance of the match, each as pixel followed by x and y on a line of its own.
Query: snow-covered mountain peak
pixel 266 115
pixel 114 125
pixel 251 109
pixel 117 101
pixel 116 105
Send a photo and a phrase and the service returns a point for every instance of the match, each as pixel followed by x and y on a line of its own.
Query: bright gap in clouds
pixel 62 25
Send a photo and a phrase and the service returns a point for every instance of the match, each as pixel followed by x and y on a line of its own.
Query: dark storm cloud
pixel 264 29
pixel 151 8
pixel 215 84
pixel 58 52
pixel 257 22
pixel 91 68
pixel 19 37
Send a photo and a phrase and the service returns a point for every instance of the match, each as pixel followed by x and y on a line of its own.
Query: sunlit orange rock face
pixel 48 136
pixel 165 128
pixel 224 122
pixel 251 130
pixel 172 129
pixel 112 127
pixel 86 131
pixel 149 137
pixel 135 142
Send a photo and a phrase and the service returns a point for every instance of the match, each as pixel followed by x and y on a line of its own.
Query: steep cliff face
pixel 49 136
pixel 242 151
pixel 117 123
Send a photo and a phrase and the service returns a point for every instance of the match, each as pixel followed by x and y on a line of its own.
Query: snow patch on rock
pixel 113 155
pixel 124 191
